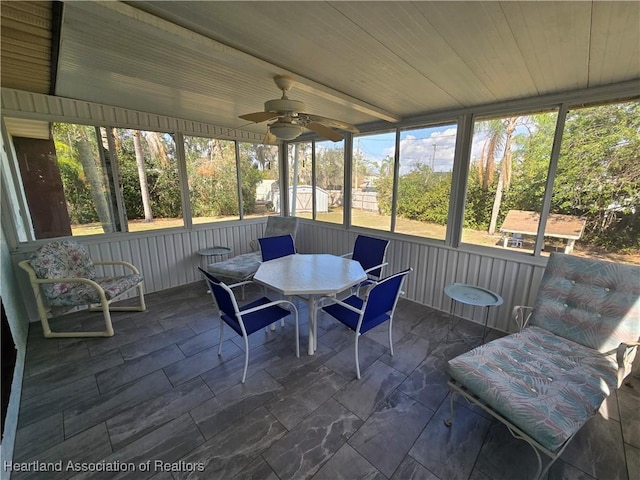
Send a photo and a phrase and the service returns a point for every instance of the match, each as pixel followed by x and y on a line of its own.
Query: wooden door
pixel 43 187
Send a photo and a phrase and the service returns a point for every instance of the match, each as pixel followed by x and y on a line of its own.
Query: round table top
pixel 214 251
pixel 472 295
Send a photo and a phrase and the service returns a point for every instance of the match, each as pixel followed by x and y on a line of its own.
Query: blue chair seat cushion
pixel 544 384
pixel 256 320
pixel 81 293
pixel 350 318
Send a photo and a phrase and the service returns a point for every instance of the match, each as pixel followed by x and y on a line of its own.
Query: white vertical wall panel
pixel 169 259
pixel 434 267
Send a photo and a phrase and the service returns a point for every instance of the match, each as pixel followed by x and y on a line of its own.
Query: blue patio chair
pixel 249 318
pixel 276 247
pixel 376 307
pixel 370 252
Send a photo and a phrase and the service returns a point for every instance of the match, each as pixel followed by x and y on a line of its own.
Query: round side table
pixel 471 295
pixel 216 251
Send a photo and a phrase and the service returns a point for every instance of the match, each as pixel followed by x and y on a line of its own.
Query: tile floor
pixel 156 401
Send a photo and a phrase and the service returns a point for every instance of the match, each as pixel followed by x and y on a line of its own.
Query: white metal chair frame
pixel 104 305
pixel 361 311
pixel 240 313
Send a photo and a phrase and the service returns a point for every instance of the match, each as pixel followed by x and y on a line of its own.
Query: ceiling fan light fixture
pixel 285 131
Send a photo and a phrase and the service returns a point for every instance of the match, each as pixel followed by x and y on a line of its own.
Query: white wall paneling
pixel 434 267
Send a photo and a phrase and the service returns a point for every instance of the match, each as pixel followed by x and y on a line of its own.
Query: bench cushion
pixel 544 384
pixel 240 267
pixel 588 301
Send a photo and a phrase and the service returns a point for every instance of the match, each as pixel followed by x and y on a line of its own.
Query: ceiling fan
pixel 291 120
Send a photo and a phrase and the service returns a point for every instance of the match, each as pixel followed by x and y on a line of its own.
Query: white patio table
pixel 313 276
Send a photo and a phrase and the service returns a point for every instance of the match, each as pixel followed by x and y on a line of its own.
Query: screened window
pixel 212 178
pixel 507 178
pixel 69 164
pixel 596 192
pixel 424 180
pixel 372 180
pixel 329 172
pixel 150 179
pixel 300 193
pixel 259 178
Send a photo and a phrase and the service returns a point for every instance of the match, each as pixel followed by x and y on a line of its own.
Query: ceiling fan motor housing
pixel 284 105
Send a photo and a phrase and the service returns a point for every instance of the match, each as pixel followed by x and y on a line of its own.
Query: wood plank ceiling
pixel 359 62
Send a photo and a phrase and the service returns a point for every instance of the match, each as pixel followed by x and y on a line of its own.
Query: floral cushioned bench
pixel 546 381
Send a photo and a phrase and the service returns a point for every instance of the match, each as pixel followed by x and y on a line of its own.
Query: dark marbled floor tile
pixel 563 471
pixel 598 450
pixel 500 445
pixel 67 373
pixel 347 464
pixel 364 396
pixel 233 449
pixel 428 383
pixel 201 362
pixel 303 394
pixel 229 373
pixel 137 368
pixel 90 446
pixel 56 400
pixel 146 345
pixel 105 406
pixel 633 461
pixel 38 436
pixel 203 340
pixel 290 366
pixel 432 327
pixel 409 352
pixel 629 402
pixel 450 452
pixel 410 469
pixel 40 364
pixel 151 414
pixel 257 470
pixel 338 338
pixel 389 433
pixel 302 451
pixel 369 351
pixel 161 447
pixel 121 338
pixel 229 407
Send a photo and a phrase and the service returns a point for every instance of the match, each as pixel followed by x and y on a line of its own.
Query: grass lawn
pixel 372 220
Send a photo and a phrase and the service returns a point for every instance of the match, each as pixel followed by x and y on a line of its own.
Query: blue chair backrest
pixel 370 251
pixel 276 247
pixel 223 295
pixel 382 297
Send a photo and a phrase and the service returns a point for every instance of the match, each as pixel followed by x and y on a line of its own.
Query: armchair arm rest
pixel 118 262
pixel 375 267
pixel 521 314
pixel 240 284
pixel 343 304
pixel 267 305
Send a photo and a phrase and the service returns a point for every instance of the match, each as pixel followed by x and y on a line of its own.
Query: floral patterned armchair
pixel 63 275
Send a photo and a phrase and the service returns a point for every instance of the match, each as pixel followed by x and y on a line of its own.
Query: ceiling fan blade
pixel 258 117
pixel 324 131
pixel 330 122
